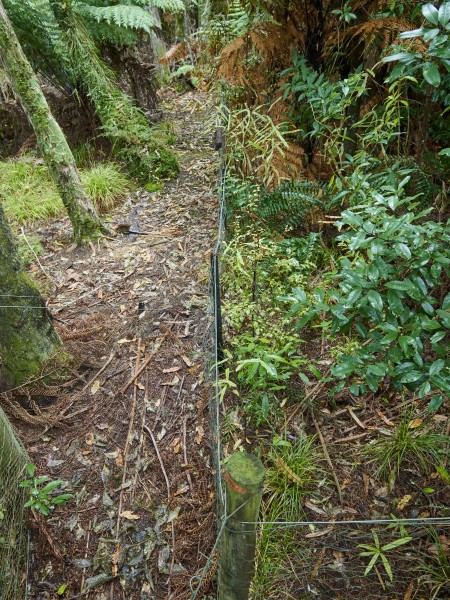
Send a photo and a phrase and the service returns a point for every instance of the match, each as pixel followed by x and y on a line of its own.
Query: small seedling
pixel 41 491
pixel 377 551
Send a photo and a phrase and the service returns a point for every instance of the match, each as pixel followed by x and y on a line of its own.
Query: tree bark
pixel 27 336
pixel 51 141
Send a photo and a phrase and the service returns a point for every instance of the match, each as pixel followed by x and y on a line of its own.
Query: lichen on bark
pixel 27 336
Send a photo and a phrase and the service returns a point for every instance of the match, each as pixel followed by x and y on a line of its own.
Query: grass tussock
pixel 29 194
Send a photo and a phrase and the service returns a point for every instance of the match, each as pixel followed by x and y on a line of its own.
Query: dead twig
pixel 328 459
pixel 189 478
pixel 159 343
pixel 316 389
pixel 355 418
pixel 350 438
pixel 43 529
pixel 155 445
pixel 88 537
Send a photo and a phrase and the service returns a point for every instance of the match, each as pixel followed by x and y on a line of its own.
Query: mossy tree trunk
pixel 51 141
pixel 144 151
pixel 27 336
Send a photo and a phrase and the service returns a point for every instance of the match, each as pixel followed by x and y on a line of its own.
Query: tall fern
pixel 113 21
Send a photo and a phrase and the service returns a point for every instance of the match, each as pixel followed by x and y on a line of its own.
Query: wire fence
pixel 323 559
pixel 13 461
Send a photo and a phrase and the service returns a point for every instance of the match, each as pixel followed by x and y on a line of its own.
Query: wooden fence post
pixel 244 476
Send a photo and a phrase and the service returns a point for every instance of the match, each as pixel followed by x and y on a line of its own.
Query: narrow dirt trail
pixel 137 460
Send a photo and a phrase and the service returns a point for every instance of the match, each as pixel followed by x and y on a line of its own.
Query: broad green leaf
pixel 410 377
pixel 437 337
pixel 441 383
pixel 445 317
pixel 402 56
pixel 375 299
pixel 431 13
pixel 378 369
pixel 62 588
pixel 431 74
pixel 424 389
pixel 446 301
pixel 403 250
pixel 51 486
pixel 404 285
pixel 430 34
pixel 304 378
pixel 437 366
pixel 373 381
pixel 411 34
pixel 444 14
pixel 435 403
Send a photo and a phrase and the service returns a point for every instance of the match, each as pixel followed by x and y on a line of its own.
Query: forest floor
pixel 137 457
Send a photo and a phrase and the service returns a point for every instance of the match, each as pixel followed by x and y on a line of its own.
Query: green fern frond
pixel 291 204
pixel 165 5
pixel 122 15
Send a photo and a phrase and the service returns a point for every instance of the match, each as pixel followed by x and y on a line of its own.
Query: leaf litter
pixel 132 311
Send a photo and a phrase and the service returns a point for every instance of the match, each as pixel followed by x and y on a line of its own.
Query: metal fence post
pixel 244 477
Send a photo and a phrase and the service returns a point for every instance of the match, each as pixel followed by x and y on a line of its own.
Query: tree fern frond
pixel 165 5
pixel 111 33
pixel 122 15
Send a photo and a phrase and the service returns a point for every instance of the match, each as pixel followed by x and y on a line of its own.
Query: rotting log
pixel 50 138
pixel 244 477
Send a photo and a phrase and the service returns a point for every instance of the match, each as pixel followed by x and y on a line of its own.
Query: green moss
pixel 154 187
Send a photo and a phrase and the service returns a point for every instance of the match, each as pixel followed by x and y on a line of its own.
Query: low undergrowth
pixel 337 316
pixel 29 195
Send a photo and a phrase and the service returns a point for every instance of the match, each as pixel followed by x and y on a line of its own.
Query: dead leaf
pixel 95 387
pixel 172 369
pixel 187 361
pixel 404 501
pixel 200 433
pixel 315 509
pixel 319 533
pixel 176 445
pixel 415 423
pixel 119 459
pixel 409 591
pixel 174 381
pixel 131 516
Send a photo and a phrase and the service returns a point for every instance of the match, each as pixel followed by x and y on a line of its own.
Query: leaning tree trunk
pixel 145 153
pixel 51 141
pixel 27 336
